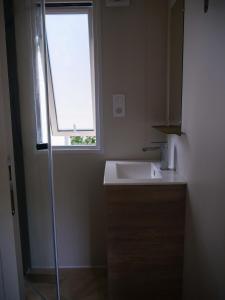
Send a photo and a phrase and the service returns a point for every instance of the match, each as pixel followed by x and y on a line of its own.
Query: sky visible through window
pixel 69 53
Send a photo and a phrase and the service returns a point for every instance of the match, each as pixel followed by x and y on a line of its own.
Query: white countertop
pixel 139 173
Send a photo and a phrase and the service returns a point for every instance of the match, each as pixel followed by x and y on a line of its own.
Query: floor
pixel 76 284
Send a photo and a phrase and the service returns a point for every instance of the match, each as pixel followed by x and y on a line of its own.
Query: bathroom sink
pixel 139 173
pixel 137 170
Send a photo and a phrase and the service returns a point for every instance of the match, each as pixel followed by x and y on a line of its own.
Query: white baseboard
pixel 70 267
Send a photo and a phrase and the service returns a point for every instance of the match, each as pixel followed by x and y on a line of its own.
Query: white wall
pixel 201 151
pixel 133 63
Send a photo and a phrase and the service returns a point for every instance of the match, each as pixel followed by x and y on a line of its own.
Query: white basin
pixel 139 173
pixel 137 170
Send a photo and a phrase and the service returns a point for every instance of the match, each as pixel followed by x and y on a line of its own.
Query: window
pixel 72 93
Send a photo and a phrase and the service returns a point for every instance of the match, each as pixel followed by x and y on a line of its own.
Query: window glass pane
pixel 69 53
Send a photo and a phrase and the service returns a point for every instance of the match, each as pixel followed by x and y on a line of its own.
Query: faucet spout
pixel 163 147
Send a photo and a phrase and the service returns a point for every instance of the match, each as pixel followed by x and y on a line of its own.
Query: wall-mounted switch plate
pixel 117 3
pixel 119 106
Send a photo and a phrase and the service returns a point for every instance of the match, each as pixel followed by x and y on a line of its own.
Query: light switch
pixel 119 106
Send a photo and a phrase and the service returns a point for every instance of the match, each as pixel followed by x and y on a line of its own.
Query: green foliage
pixel 83 140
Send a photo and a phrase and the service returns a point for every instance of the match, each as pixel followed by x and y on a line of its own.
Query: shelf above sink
pixel 169 129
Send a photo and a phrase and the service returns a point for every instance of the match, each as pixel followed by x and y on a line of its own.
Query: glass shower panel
pixel 42 278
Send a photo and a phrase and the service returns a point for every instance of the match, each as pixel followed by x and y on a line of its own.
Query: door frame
pixel 11 274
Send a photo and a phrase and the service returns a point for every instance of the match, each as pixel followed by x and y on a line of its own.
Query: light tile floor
pixel 76 284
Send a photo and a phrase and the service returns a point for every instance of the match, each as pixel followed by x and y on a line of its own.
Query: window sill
pixel 78 149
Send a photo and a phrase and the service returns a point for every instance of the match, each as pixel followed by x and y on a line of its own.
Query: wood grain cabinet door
pixel 145 242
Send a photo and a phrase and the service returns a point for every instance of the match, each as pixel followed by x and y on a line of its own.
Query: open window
pixel 71 76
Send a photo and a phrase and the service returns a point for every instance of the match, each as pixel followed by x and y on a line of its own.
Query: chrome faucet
pixel 163 147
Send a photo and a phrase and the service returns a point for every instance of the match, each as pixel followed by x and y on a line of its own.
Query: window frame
pixel 53 111
pixel 95 63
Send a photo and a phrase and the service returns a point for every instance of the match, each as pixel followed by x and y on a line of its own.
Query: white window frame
pixel 95 55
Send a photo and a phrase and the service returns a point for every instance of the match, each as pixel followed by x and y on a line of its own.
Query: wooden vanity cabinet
pixel 145 241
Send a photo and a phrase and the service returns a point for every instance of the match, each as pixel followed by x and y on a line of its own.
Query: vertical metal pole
pixel 50 160
pixel 168 68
